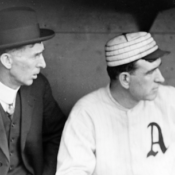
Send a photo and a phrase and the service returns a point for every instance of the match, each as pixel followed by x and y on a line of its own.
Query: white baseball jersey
pixel 103 138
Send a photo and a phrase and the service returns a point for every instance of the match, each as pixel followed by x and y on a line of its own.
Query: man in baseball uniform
pixel 127 127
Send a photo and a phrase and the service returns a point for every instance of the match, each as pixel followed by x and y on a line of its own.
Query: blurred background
pixel 75 56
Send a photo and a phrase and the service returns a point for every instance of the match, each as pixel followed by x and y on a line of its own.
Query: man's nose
pixel 159 77
pixel 42 63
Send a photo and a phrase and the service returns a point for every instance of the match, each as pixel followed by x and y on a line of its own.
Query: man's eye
pixel 152 71
pixel 38 55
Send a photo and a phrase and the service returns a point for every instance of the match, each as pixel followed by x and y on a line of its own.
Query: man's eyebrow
pixel 154 68
pixel 39 52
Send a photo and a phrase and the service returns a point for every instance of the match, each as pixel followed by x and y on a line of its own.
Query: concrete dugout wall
pixel 75 56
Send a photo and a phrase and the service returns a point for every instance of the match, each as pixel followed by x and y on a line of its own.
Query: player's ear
pixel 124 79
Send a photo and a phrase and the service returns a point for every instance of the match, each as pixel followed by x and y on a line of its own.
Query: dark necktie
pixel 10 109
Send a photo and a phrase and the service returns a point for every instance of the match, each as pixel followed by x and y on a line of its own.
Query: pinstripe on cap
pixel 130 47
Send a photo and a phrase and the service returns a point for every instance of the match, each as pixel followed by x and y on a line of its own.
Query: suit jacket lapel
pixel 27 105
pixel 3 139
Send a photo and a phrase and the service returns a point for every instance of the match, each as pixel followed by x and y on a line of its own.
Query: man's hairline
pixel 18 49
pixel 24 46
pixel 136 65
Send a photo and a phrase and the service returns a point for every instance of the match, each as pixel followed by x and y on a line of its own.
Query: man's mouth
pixel 155 89
pixel 35 76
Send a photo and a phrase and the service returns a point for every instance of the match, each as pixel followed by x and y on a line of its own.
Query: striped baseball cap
pixel 130 47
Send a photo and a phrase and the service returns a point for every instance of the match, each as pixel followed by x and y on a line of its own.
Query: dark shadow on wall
pixel 144 11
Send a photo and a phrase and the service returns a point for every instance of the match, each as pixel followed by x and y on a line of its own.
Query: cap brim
pixel 45 34
pixel 156 54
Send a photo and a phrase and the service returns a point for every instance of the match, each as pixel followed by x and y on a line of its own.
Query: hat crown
pixel 133 36
pixel 19 26
pixel 125 38
pixel 129 47
pixel 17 17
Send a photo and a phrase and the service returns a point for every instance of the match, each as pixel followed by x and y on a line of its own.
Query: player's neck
pixel 122 96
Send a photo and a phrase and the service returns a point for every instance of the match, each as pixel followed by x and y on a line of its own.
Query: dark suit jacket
pixel 41 128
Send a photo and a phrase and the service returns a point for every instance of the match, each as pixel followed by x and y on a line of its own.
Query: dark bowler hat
pixel 19 26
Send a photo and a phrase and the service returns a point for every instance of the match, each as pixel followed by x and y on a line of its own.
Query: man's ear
pixel 6 60
pixel 124 79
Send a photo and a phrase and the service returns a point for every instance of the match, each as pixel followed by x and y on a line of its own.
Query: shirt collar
pixel 7 95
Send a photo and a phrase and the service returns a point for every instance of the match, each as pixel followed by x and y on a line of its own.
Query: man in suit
pixel 31 121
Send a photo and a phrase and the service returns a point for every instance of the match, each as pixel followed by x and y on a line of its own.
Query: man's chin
pixel 151 98
pixel 28 83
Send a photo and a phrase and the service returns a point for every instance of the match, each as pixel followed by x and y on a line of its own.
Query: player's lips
pixel 155 89
pixel 35 75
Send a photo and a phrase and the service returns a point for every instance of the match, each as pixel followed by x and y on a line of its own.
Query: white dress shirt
pixel 7 96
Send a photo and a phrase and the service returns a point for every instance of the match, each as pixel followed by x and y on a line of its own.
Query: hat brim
pixel 156 54
pixel 45 34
